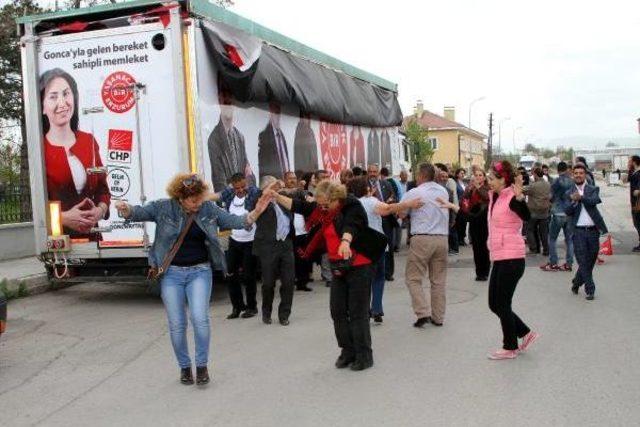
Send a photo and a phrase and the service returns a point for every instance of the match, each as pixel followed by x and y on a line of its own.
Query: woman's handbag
pixel 154 274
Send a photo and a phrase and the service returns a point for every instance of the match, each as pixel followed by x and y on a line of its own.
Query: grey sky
pixel 560 69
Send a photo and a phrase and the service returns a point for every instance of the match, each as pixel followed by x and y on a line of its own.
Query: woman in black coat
pixel 353 249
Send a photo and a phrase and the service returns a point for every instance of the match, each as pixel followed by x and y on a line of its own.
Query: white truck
pixel 527 161
pixel 120 97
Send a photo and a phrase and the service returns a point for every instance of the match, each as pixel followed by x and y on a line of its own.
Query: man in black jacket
pixel 273 154
pixel 383 191
pixel 273 245
pixel 588 226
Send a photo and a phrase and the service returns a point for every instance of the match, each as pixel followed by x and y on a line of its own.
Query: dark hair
pixel 307 180
pixel 581 159
pixel 357 171
pixel 359 186
pixel 442 167
pixel 460 170
pixel 45 79
pixel 635 159
pixel 538 172
pixel 237 177
pixel 545 166
pixel 562 167
pixel 290 173
pixel 580 165
pixel 503 169
pixel 318 172
pixel 384 171
pixel 346 175
pixel 427 171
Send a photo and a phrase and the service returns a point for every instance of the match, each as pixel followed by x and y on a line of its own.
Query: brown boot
pixel 202 375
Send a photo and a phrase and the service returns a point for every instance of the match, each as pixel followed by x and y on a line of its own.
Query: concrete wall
pixel 16 241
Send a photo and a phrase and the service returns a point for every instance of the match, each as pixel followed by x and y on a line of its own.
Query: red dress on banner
pixel 60 185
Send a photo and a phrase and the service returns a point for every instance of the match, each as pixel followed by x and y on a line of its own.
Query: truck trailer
pixel 121 97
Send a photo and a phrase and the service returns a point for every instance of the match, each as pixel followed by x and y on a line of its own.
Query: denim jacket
pixel 170 219
pixel 253 194
pixel 559 194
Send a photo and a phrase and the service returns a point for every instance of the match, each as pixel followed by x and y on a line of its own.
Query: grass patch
pixel 20 292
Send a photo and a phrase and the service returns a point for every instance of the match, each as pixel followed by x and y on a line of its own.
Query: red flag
pixel 73 27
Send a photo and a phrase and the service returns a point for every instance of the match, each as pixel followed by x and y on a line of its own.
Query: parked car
pixel 3 313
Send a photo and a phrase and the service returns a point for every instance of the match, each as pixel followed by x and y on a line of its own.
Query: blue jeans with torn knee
pixel 182 286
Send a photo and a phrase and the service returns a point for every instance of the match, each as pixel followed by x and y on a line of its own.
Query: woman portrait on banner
pixel 75 176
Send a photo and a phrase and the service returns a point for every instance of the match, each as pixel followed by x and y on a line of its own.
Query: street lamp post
pixel 514 138
pixel 500 122
pixel 471 106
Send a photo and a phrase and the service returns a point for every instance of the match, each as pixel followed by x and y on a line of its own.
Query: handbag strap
pixel 176 246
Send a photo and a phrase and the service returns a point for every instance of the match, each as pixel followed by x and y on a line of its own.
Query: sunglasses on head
pixel 190 181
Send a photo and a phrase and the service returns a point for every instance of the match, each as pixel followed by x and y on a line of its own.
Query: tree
pixel 530 148
pixel 611 144
pixel 547 153
pixel 418 138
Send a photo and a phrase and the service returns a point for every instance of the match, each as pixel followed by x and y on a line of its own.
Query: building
pixel 610 158
pixel 453 143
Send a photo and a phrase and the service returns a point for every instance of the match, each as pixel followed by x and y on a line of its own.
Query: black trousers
pixel 241 264
pixel 538 235
pixel 303 266
pixel 479 232
pixel 461 228
pixel 502 285
pixel 389 228
pixel 636 222
pixel 278 263
pixel 349 303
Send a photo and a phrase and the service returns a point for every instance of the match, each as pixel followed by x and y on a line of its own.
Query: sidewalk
pixel 29 271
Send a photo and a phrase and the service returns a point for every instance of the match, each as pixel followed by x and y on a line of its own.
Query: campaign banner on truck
pixel 258 139
pixel 97 91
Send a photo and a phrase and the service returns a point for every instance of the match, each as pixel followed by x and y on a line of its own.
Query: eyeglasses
pixel 190 181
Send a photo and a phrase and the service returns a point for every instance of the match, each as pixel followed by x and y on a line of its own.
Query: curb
pixel 34 285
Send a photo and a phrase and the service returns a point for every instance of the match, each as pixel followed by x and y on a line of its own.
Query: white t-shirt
pixel 78 173
pixel 299 225
pixel 237 208
pixel 584 220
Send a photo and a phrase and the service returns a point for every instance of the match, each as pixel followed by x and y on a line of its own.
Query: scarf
pixel 318 221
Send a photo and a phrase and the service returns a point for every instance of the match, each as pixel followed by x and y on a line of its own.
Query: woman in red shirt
pixel 353 249
pixel 72 158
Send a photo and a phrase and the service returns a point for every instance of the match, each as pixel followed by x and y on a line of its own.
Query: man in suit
pixel 385 149
pixel 273 154
pixel 373 147
pixel 588 225
pixel 227 152
pixel 305 148
pixel 273 245
pixel 383 191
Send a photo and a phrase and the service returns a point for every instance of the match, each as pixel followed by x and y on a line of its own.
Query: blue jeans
pixel 377 287
pixel 192 286
pixel 558 223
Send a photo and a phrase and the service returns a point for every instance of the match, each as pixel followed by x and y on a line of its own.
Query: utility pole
pixel 490 143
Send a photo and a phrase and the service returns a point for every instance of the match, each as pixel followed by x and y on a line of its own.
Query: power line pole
pixel 490 143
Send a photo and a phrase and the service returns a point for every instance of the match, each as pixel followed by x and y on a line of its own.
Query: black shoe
pixel 481 278
pixel 186 377
pixel 434 323
pixel 545 253
pixel 636 249
pixel 377 318
pixel 362 363
pixel 202 375
pixel 575 288
pixel 248 313
pixel 589 297
pixel 422 321
pixel 327 284
pixel 389 279
pixel 304 288
pixel 344 361
pixel 284 322
pixel 234 314
pixel 266 319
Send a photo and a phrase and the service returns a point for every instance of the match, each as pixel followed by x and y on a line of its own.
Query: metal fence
pixel 15 203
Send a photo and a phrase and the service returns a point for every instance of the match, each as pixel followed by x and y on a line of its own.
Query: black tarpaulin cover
pixel 279 76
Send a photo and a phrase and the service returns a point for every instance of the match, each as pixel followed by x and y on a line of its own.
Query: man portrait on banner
pixel 385 145
pixel 226 145
pixel 305 147
pixel 373 147
pixel 356 143
pixel 273 155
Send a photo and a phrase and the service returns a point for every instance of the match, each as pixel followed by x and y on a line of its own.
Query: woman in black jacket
pixel 353 249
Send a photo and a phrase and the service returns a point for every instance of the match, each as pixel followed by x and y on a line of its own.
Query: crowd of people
pixel 351 227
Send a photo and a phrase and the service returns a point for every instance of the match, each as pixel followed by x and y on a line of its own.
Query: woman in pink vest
pixel 507 211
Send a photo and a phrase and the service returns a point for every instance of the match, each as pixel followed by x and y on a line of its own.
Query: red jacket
pixel 60 184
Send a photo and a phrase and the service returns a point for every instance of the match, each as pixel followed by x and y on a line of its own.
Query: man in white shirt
pixel 428 248
pixel 588 226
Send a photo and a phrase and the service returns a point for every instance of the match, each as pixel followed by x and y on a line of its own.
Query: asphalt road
pixel 97 354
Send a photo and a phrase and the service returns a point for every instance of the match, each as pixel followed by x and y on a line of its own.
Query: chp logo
pixel 117 94
pixel 120 143
pixel 333 147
